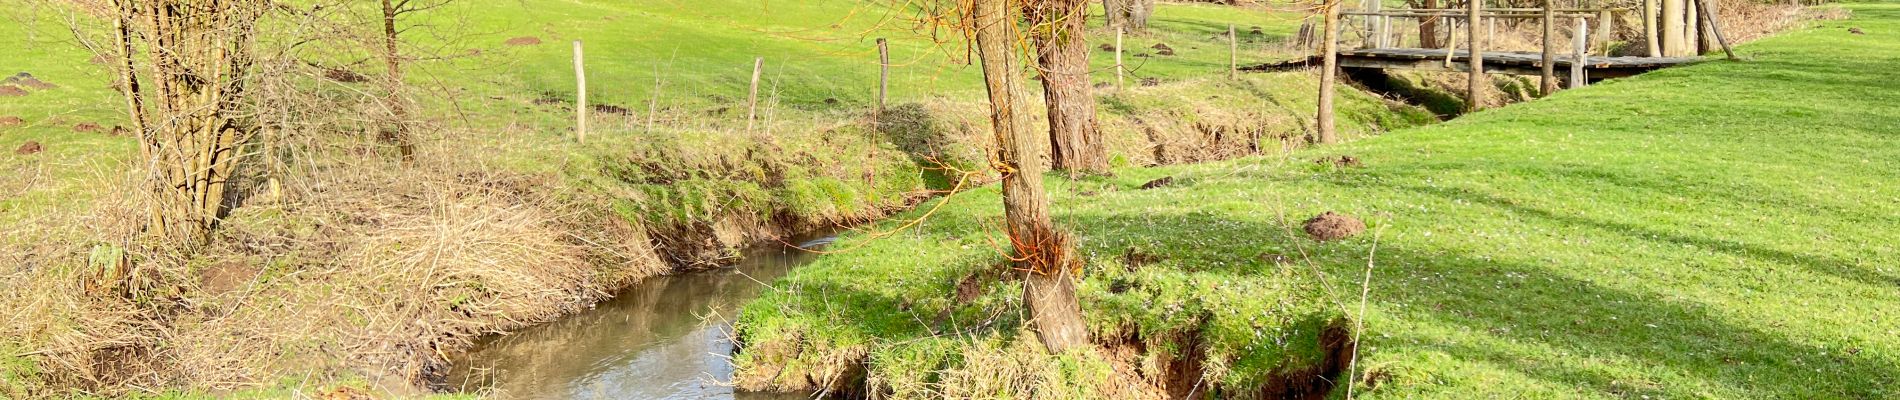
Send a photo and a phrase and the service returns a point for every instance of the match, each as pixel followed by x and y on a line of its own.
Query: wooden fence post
pixel 1119 68
pixel 883 73
pixel 580 97
pixel 752 97
pixel 1582 53
pixel 1233 53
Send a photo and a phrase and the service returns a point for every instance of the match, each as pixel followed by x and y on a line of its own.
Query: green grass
pixel 1724 230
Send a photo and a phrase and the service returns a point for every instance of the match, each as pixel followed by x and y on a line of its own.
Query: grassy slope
pixel 1725 230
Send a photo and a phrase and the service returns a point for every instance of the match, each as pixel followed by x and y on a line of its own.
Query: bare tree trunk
pixel 1711 11
pixel 200 57
pixel 1329 72
pixel 1428 28
pixel 1547 83
pixel 398 102
pixel 1040 250
pixel 1063 49
pixel 1674 43
pixel 1474 97
pixel 1115 13
pixel 1138 13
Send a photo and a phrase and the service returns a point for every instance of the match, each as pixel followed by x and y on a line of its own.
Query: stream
pixel 666 337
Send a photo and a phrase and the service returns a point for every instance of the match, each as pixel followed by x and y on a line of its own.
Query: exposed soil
pixel 1165 181
pixel 1135 259
pixel 36 84
pixel 970 288
pixel 1183 377
pixel 29 148
pixel 1317 381
pixel 11 91
pixel 1162 49
pixel 1331 226
pixel 1856 31
pixel 344 75
pixel 118 130
pixel 225 277
pixel 523 41
pixel 11 121
pixel 611 109
pixel 86 127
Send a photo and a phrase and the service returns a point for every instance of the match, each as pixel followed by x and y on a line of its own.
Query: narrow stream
pixel 664 338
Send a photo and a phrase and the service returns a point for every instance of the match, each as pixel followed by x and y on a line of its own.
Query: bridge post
pixel 1649 28
pixel 1582 53
pixel 1606 28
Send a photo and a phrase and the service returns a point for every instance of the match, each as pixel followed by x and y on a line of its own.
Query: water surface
pixel 664 338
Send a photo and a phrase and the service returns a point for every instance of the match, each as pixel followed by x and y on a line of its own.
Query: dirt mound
pixel 11 91
pixel 29 148
pixel 1165 181
pixel 1162 49
pixel 1856 31
pixel 344 75
pixel 1135 259
pixel 11 121
pixel 523 41
pixel 1331 226
pixel 28 81
pixel 225 277
pixel 611 109
pixel 86 127
pixel 119 131
pixel 1341 161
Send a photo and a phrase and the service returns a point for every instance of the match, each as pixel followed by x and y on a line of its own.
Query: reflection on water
pixel 664 338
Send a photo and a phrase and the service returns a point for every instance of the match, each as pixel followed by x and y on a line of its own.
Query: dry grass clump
pixel 345 266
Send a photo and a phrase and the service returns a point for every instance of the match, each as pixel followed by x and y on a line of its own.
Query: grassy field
pixel 1724 230
pixel 539 224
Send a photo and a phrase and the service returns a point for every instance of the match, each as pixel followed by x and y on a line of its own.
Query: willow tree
pixel 189 121
pixel 1130 14
pixel 1062 49
pixel 1043 253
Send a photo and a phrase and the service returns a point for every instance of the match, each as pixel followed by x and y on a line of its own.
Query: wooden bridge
pixel 1594 68
pixel 1591 32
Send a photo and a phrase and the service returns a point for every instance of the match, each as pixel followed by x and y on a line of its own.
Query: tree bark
pixel 1428 28
pixel 1039 250
pixel 1329 72
pixel 1711 11
pixel 1062 48
pixel 1138 13
pixel 200 59
pixel 1547 83
pixel 1474 97
pixel 1674 43
pixel 1115 13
